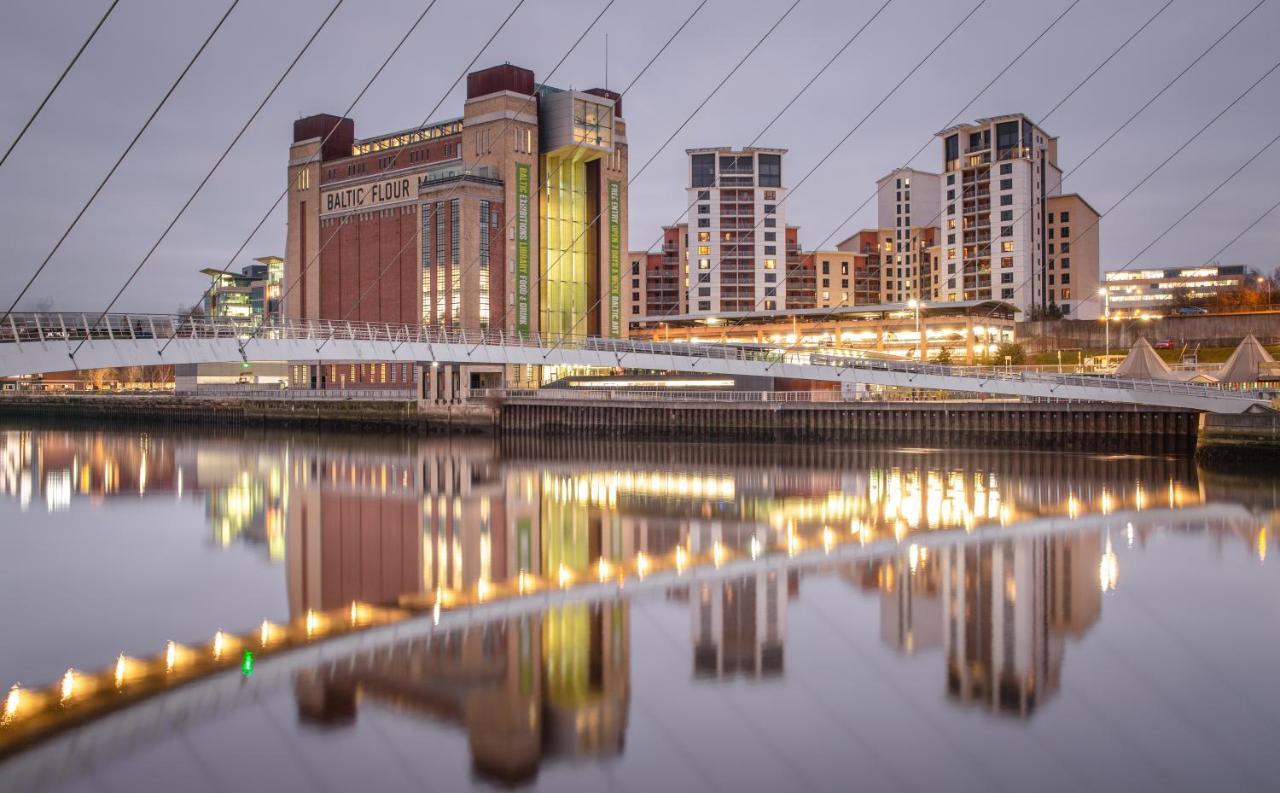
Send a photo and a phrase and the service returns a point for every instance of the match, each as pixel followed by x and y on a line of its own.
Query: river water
pixel 1035 620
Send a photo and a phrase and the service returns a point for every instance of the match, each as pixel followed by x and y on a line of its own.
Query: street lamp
pixel 1267 281
pixel 917 305
pixel 1106 319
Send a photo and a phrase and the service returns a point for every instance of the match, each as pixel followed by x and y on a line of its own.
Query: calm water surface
pixel 1121 633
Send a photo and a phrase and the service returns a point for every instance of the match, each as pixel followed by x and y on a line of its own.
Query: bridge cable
pixel 124 154
pixel 1105 141
pixel 360 95
pixel 1122 126
pixel 838 144
pixel 1052 24
pixel 244 128
pixel 475 262
pixel 57 83
pixel 795 97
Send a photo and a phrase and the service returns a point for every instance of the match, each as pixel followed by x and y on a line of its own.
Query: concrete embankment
pixel 1059 425
pixel 1238 442
pixel 1220 441
pixel 336 414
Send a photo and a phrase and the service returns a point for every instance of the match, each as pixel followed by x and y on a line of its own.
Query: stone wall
pixel 1213 330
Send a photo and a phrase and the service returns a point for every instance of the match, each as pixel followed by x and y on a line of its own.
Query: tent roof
pixel 1245 364
pixel 1142 363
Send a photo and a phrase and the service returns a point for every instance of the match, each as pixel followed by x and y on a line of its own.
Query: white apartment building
pixel 737 255
pixel 998 174
pixel 908 208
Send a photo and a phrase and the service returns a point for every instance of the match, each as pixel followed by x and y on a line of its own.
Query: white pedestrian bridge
pixel 48 342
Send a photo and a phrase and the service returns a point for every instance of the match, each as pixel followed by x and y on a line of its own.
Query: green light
pixel 246 664
pixel 244 365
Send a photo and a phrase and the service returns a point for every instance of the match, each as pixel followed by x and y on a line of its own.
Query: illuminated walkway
pixel 87 720
pixel 36 343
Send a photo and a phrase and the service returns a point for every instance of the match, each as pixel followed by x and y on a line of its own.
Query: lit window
pixel 770 264
pixel 1007 246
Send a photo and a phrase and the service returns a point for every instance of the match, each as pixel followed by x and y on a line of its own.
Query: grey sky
pixel 146 42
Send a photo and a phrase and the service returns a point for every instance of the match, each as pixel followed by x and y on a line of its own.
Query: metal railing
pixel 46 328
pixel 828 396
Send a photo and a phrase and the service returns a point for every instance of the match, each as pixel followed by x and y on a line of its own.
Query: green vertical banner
pixel 524 545
pixel 615 258
pixel 522 247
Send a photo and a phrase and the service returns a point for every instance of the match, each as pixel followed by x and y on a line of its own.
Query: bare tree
pixel 158 375
pixel 98 379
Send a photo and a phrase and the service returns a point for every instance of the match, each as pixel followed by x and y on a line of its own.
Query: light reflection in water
pixel 405 523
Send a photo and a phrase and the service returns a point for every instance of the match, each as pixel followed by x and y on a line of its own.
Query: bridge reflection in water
pixel 398 523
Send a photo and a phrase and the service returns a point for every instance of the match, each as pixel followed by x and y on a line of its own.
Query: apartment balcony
pixel 972 207
pixel 1014 153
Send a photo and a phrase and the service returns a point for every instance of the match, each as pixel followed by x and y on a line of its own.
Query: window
pixel 1066 231
pixel 770 209
pixel 951 195
pixel 826 268
pixel 704 291
pixel 704 209
pixel 1066 295
pixel 703 170
pixel 1006 200
pixel 1050 217
pixel 704 223
pixel 770 291
pixel 1006 261
pixel 951 223
pixel 771 305
pixel 635 268
pixel 770 250
pixel 1006 278
pixel 951 239
pixel 704 236
pixel 1006 184
pixel 635 297
pixel 770 170
pixel 770 278
pixel 1006 168
pixel 1051 247
pixel 704 195
pixel 770 264
pixel 1065 217
pixel 1006 231
pixel 704 305
pixel 704 264
pixel 1006 215
pixel 1066 264
pixel 1007 246
pixel 951 178
pixel 1050 279
pixel 1066 279
pixel 951 283
pixel 704 250
pixel 770 195
pixel 770 236
pixel 1066 247
pixel 704 278
pixel 770 223
pixel 1006 294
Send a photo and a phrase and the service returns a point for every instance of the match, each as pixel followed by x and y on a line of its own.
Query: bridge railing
pixel 53 327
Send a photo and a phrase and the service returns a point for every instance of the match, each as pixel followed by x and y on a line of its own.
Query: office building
pixel 253 293
pixel 511 216
pixel 1161 290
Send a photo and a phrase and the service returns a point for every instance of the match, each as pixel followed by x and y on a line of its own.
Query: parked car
pixel 1186 311
pixel 1164 344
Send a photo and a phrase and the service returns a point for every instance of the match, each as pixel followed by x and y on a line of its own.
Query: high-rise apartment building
pixel 738 243
pixel 511 216
pixel 999 176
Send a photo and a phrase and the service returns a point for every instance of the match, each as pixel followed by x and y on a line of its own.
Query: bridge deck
pixel 35 343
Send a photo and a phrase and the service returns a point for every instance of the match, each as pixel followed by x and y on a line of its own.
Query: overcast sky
pixel 145 43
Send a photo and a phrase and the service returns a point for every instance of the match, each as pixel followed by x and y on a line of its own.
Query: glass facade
pixel 565 254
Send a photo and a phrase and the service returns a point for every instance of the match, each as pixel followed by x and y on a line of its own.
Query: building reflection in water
pixel 397 521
